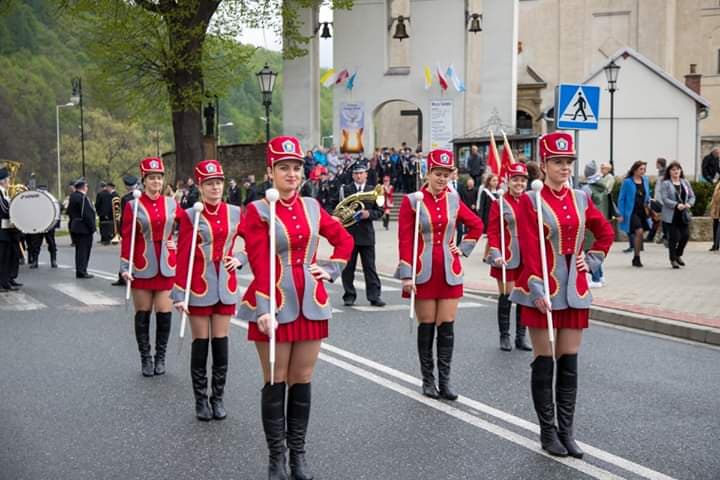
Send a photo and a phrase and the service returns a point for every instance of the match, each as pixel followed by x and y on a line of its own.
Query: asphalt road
pixel 74 405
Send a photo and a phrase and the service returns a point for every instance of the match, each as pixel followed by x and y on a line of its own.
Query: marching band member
pixel 567 213
pixel 439 273
pixel 213 288
pixel 388 192
pixel 303 306
pixel 153 268
pixel 517 182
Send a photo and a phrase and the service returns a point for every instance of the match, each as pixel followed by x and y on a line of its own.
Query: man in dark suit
pixel 363 233
pixel 234 196
pixel 103 207
pixel 131 183
pixel 476 165
pixel 82 227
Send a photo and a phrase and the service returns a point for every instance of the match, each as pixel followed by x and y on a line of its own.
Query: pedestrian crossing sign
pixel 577 107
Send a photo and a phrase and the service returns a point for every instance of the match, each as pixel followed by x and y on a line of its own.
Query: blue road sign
pixel 577 107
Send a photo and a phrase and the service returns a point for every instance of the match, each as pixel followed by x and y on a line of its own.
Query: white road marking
pixel 19 302
pixel 509 435
pixel 85 296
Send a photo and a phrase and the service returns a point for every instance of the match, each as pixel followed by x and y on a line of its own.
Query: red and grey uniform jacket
pixel 512 245
pixel 210 282
pixel 298 227
pixel 155 223
pixel 439 217
pixel 566 216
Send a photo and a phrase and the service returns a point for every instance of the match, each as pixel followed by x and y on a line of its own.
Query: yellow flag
pixel 428 78
pixel 328 78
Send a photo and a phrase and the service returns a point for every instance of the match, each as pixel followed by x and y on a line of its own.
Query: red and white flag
pixel 441 78
pixel 341 77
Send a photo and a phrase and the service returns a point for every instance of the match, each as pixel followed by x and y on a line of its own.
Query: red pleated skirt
pixel 301 330
pixel 568 318
pixel 156 283
pixel 437 287
pixel 511 274
pixel 217 309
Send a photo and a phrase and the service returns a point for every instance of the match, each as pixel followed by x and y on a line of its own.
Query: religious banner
pixel 441 124
pixel 352 125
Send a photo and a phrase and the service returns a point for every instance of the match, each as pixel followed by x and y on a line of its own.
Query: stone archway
pixel 396 122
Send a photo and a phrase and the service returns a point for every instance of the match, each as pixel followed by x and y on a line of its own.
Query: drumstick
pixel 197 208
pixel 537 186
pixel 418 204
pixel 136 196
pixel 272 196
pixel 501 193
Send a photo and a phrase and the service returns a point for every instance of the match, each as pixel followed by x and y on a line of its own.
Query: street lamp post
pixel 57 127
pixel 266 79
pixel 77 98
pixel 223 125
pixel 611 72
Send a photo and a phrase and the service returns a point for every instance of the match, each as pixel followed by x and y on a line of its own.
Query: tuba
pixel 13 169
pixel 116 220
pixel 348 209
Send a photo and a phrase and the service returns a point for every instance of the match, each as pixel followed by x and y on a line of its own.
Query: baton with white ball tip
pixel 537 186
pixel 501 194
pixel 272 196
pixel 198 207
pixel 136 196
pixel 418 204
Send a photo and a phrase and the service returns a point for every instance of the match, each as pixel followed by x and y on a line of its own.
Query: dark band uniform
pixel 9 247
pixel 82 227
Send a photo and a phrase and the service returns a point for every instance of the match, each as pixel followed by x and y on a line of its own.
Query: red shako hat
pixel 440 159
pixel 151 165
pixel 283 148
pixel 557 144
pixel 517 169
pixel 207 170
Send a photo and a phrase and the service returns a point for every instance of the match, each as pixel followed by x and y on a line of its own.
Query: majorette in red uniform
pixel 439 273
pixel 388 192
pixel 567 213
pixel 153 263
pixel 213 286
pixel 303 305
pixel 517 182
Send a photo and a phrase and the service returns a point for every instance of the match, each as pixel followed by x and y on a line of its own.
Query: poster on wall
pixel 352 125
pixel 441 124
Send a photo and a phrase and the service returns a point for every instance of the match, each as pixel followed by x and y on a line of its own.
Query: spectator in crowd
pixel 234 195
pixel 319 156
pixel 633 206
pixel 476 165
pixel 534 171
pixel 308 163
pixel 715 215
pixel 251 190
pixel 658 224
pixel 599 195
pixel 179 191
pixel 677 197
pixel 333 161
pixel 469 196
pixel 192 194
pixel 711 166
pixel 488 195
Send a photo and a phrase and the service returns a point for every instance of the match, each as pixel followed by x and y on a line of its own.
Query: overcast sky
pixel 267 39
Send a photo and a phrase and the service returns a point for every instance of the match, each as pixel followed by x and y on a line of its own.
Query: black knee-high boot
pixel 542 393
pixel 503 317
pixel 298 415
pixel 142 335
pixel 198 373
pixel 521 342
pixel 445 345
pixel 219 374
pixel 273 418
pixel 425 340
pixel 566 394
pixel 162 334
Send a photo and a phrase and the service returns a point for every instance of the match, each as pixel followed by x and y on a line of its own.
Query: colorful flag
pixel 507 156
pixel 428 78
pixel 328 78
pixel 493 158
pixel 341 77
pixel 441 79
pixel 455 79
pixel 351 81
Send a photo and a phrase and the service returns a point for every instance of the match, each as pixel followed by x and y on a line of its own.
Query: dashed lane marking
pixel 19 302
pixel 85 296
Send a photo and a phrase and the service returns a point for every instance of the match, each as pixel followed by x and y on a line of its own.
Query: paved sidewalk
pixel 683 303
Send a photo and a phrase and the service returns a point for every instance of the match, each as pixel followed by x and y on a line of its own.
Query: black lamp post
pixel 611 72
pixel 77 99
pixel 266 79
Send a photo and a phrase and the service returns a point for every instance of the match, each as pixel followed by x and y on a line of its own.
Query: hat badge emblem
pixel 445 158
pixel 211 168
pixel 562 144
pixel 288 146
pixel 154 164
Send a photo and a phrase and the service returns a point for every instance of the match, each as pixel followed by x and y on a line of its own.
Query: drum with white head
pixel 34 211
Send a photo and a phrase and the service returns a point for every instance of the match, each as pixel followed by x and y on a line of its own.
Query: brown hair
pixel 635 166
pixel 672 165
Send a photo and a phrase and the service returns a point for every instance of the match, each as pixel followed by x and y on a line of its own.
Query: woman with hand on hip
pixel 439 275
pixel 303 306
pixel 677 198
pixel 153 263
pixel 213 285
pixel 566 214
pixel 517 183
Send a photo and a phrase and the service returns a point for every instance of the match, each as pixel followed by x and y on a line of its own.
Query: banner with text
pixel 441 124
pixel 352 125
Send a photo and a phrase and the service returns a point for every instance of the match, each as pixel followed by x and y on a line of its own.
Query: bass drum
pixel 34 211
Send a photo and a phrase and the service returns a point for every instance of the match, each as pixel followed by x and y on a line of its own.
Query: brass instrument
pixel 116 220
pixel 350 206
pixel 14 188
